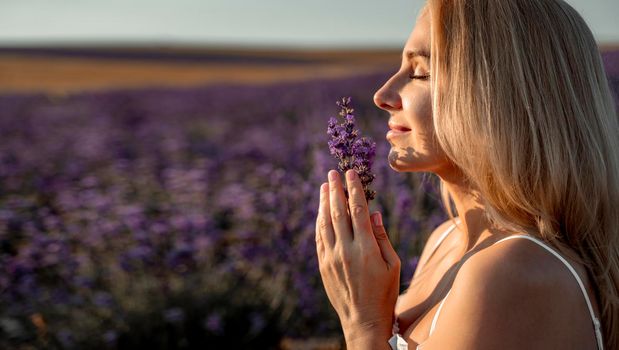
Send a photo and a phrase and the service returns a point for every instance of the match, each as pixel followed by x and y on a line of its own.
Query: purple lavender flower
pixel 175 213
pixel 214 323
pixel 110 337
pixel 352 152
pixel 174 315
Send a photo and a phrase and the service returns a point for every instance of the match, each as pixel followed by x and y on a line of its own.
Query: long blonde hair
pixel 522 106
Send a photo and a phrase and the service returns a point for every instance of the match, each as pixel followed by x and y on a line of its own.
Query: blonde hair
pixel 523 108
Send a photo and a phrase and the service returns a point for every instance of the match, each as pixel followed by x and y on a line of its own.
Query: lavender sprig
pixel 352 152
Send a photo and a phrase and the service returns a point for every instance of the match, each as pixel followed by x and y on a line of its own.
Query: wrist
pixel 368 335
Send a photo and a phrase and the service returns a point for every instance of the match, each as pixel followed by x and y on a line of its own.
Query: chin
pixel 410 160
pixel 401 163
pixel 395 162
pixel 413 165
pixel 403 167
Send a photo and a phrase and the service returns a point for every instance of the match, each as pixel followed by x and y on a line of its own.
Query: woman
pixel 508 104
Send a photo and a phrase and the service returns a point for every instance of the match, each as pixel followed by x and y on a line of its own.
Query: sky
pixel 275 23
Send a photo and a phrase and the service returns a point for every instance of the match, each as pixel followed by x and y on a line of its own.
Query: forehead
pixel 419 39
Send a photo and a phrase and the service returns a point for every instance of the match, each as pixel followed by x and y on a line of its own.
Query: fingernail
pixel 332 175
pixel 378 219
pixel 350 174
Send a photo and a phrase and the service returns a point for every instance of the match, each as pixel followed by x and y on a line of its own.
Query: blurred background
pixel 160 164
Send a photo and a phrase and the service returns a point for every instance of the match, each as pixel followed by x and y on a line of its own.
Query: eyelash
pixel 420 77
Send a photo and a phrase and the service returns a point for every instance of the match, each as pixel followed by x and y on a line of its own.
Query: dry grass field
pixel 59 71
pixel 66 70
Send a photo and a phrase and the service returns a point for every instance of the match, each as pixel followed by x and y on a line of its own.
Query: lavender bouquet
pixel 352 152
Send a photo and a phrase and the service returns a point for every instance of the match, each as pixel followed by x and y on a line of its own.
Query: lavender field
pixel 183 218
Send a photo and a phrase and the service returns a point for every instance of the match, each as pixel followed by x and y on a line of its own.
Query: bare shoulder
pixel 504 297
pixel 510 270
pixel 518 260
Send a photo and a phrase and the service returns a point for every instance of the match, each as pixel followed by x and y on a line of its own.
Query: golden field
pixel 69 70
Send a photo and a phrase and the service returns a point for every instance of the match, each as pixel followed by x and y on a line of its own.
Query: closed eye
pixel 419 77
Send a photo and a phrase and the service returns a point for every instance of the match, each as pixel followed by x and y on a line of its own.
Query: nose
pixel 388 97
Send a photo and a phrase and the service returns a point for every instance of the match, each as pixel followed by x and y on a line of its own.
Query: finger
pixel 359 214
pixel 324 227
pixel 339 209
pixel 386 249
pixel 320 247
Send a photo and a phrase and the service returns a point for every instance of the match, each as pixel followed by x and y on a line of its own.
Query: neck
pixel 471 211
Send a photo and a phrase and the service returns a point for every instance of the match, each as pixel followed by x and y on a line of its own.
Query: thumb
pixel 387 251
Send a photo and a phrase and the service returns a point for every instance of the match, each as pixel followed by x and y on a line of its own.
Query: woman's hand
pixel 359 268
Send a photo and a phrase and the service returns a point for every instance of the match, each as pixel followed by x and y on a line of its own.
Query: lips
pixel 398 127
pixel 396 132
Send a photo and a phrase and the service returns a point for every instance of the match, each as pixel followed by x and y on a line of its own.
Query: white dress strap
pixel 396 341
pixel 444 235
pixel 433 325
pixel 438 311
pixel 438 242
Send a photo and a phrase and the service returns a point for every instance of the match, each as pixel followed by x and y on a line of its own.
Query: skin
pixel 360 270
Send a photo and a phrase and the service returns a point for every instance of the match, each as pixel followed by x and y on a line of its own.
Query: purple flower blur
pixel 352 152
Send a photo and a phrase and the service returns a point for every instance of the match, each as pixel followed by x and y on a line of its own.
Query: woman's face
pixel 407 98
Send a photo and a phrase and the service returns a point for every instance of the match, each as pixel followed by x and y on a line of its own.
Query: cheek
pixel 421 110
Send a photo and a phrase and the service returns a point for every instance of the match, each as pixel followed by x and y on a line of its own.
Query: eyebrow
pixel 410 54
